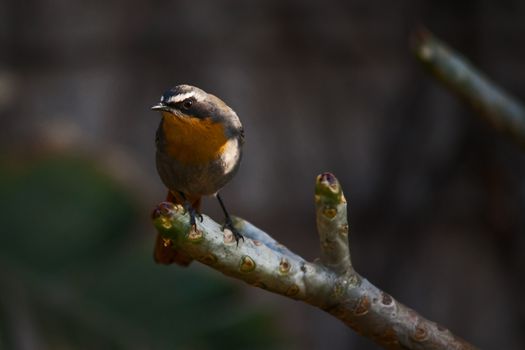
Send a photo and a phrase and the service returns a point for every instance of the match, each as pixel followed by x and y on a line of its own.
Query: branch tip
pixel 500 109
pixel 332 223
pixel 328 190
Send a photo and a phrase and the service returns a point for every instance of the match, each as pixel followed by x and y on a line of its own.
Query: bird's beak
pixel 160 107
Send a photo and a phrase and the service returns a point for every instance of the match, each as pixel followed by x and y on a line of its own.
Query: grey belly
pixel 193 179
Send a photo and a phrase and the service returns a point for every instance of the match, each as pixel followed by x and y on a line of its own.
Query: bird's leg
pixel 191 210
pixel 228 223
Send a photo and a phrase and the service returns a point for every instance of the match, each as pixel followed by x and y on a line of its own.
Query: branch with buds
pixel 330 283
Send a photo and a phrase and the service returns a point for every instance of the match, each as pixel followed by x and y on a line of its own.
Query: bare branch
pixel 503 112
pixel 332 224
pixel 330 284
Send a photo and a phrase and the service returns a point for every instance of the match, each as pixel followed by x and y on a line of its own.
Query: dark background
pixel 436 196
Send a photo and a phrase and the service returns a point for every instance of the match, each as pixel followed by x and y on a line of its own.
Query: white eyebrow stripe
pixel 181 97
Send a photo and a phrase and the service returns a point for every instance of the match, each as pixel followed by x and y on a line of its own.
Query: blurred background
pixel 436 197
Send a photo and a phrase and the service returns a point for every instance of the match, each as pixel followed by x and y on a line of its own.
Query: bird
pixel 198 151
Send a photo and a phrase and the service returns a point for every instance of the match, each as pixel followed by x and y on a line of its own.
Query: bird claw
pixel 193 213
pixel 236 234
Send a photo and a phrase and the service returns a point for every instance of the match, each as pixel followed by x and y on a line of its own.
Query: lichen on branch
pixel 330 283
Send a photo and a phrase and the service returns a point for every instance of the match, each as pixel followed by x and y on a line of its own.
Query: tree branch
pixel 502 111
pixel 330 283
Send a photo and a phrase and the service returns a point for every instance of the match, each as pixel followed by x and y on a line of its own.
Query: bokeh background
pixel 436 196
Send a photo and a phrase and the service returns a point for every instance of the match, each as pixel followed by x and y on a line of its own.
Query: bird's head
pixel 184 101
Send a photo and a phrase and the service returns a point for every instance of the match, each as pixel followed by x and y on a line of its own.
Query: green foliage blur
pixel 76 274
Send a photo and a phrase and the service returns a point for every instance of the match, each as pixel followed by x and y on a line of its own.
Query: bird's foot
pixel 193 214
pixel 228 224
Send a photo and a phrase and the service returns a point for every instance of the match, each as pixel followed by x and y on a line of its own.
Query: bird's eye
pixel 187 104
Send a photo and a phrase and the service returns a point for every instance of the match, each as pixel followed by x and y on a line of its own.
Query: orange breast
pixel 192 140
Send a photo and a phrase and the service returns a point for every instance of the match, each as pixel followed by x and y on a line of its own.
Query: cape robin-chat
pixel 199 148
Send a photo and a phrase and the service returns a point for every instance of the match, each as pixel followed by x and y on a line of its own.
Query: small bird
pixel 199 148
